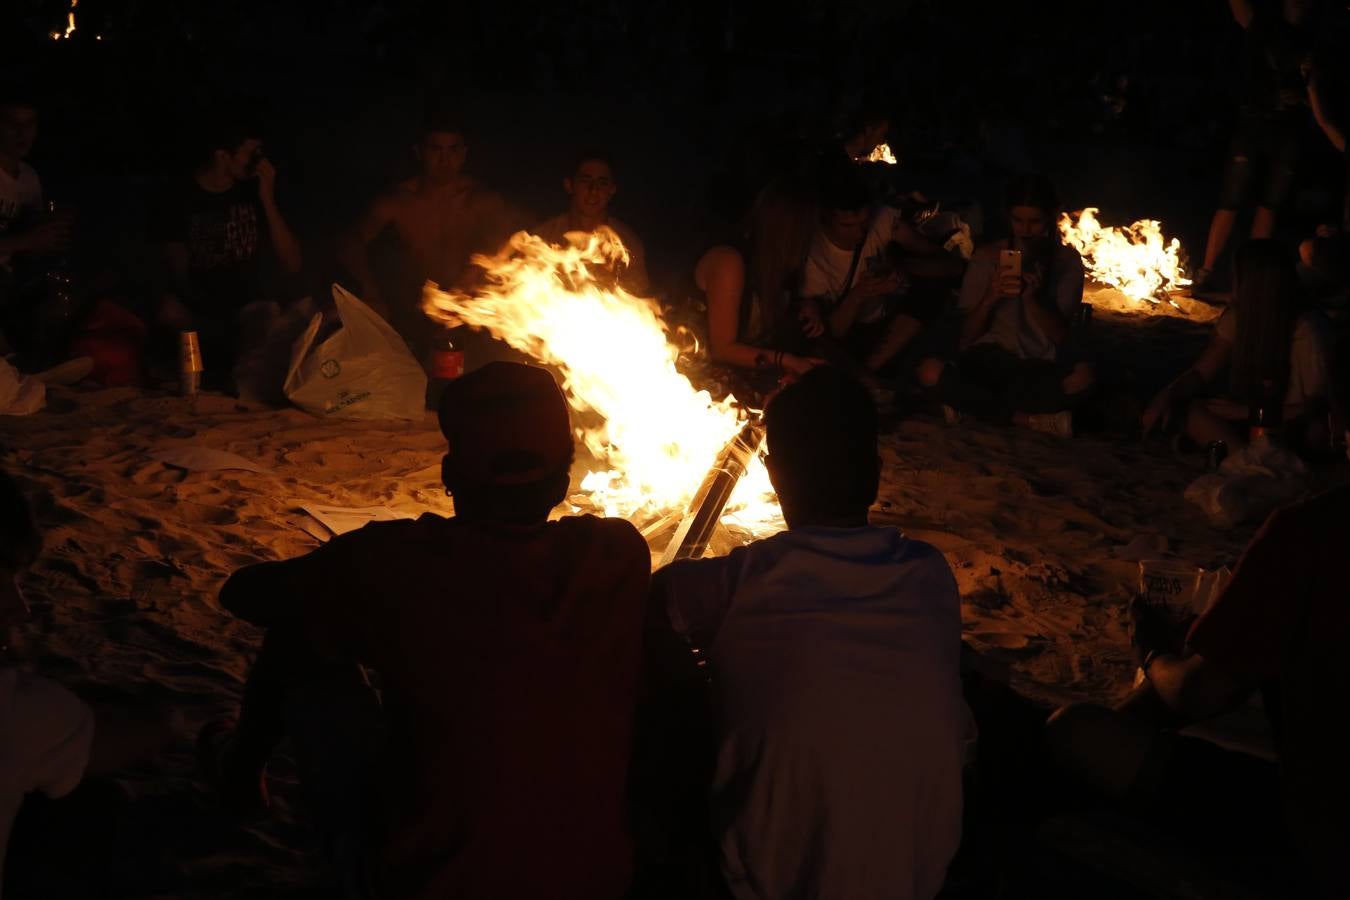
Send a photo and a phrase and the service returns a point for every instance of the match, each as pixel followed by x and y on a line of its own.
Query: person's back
pixel 508 657
pixel 507 648
pixel 834 652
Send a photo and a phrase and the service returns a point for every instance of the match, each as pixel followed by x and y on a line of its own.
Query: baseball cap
pixel 506 423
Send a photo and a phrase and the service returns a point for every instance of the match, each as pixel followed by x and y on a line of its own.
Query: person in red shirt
pixel 1280 626
pixel 507 648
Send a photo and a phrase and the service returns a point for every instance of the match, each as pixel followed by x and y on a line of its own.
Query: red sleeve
pixel 1243 630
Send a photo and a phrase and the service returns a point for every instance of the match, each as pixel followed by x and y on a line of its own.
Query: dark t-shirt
pixel 1275 52
pixel 1285 616
pixel 226 239
pixel 509 658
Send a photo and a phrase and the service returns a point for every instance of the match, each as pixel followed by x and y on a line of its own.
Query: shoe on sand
pixel 1059 423
pixel 241 791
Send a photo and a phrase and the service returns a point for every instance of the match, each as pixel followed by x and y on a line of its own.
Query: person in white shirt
pixel 1268 343
pixel 834 654
pixel 21 228
pixel 591 186
pixel 861 275
pixel 1016 363
pixel 49 739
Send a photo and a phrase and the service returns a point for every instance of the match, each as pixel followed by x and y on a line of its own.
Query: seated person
pixel 1015 364
pixel 835 650
pixel 1279 626
pixel 26 232
pixel 508 650
pixel 756 324
pixel 225 242
pixel 1273 351
pixel 438 218
pixel 50 740
pixel 590 187
pixel 860 277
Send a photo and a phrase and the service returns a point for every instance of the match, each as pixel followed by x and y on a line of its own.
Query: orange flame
pixel 70 24
pixel 658 435
pixel 1136 260
pixel 881 153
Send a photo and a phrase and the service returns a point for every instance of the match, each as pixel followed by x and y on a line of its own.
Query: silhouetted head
pixel 822 437
pixel 510 443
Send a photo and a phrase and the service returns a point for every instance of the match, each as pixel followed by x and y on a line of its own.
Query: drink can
pixel 1215 453
pixel 189 362
pixel 447 363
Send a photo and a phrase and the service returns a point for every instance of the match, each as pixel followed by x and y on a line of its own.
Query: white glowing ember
pixel 881 153
pixel 1136 260
pixel 659 435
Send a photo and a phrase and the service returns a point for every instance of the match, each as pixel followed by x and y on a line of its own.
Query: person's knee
pixel 1307 251
pixel 930 372
pixel 1081 379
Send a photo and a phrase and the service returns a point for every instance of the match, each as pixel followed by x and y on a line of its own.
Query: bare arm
pixel 720 274
pixel 1201 373
pixel 1243 11
pixel 1330 127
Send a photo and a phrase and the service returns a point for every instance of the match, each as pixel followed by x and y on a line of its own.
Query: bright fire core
pixel 653 433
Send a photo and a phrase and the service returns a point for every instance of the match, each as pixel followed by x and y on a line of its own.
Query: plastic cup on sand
pixel 1169 584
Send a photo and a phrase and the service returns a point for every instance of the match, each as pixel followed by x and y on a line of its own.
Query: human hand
pixel 1158 413
pixel 800 365
pixel 267 180
pixel 812 322
pixel 879 284
pixel 1031 285
pixel 1152 630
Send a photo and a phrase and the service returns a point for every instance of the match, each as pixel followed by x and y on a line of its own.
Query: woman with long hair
pixel 749 287
pixel 1275 351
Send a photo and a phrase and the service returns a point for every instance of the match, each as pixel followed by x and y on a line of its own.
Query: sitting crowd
pixel 507 703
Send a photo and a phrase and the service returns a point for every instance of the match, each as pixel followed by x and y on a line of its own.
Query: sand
pixel 125 594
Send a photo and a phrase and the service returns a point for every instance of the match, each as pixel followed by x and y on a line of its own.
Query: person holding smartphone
pixel 224 240
pixel 1016 364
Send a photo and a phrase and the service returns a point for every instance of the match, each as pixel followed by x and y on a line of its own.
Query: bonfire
pixel 1135 260
pixel 881 153
pixel 654 435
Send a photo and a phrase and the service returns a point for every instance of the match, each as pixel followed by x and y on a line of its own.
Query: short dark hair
pixel 14 97
pixel 20 539
pixel 844 190
pixel 440 121
pixel 592 154
pixel 822 436
pixel 225 129
pixel 1031 189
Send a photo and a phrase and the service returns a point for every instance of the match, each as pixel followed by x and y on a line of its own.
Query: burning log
pixel 1135 260
pixel 705 510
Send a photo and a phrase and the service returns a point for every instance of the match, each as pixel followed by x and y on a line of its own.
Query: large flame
pixel 658 435
pixel 881 153
pixel 1136 260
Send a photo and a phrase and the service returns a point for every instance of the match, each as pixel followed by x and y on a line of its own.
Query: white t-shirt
pixel 45 736
pixel 1309 355
pixel 827 265
pixel 1009 325
pixel 19 197
pixel 835 659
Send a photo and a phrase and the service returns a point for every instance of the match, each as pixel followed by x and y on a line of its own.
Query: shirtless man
pixel 441 216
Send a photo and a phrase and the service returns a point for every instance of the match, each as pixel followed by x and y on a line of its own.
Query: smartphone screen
pixel 1009 264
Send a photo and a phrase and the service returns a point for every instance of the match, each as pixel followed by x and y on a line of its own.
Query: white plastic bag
pixel 20 394
pixel 1249 485
pixel 362 371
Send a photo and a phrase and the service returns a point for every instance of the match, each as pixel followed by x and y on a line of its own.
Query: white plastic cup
pixel 1169 584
